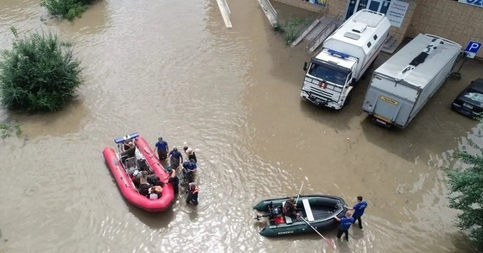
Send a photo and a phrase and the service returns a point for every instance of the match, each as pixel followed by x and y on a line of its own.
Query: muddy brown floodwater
pixel 171 68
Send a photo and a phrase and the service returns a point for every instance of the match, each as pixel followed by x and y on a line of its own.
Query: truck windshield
pixel 329 72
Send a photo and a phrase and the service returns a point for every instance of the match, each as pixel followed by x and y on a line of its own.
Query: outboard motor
pixel 275 214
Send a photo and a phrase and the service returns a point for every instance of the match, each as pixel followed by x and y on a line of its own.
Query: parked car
pixel 470 101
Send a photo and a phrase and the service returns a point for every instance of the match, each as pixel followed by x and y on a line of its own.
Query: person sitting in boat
pixel 155 192
pixel 144 190
pixel 192 194
pixel 290 209
pixel 154 180
pixel 141 178
pixel 128 149
pixel 190 153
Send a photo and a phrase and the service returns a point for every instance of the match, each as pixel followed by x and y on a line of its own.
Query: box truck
pixel 346 54
pixel 402 85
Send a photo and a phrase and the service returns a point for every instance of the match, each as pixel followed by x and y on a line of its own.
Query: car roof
pixel 477 85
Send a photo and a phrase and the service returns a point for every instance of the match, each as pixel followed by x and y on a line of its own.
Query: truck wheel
pixel 348 99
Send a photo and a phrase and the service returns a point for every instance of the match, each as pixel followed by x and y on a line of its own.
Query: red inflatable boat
pixel 119 168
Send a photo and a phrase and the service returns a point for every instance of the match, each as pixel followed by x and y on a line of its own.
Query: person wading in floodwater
pixel 175 158
pixel 345 224
pixel 162 148
pixel 359 208
pixel 190 153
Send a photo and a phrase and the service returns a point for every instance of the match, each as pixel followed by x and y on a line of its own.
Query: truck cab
pixel 345 56
pixel 329 78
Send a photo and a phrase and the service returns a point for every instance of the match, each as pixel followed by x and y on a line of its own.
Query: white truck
pixel 346 54
pixel 401 86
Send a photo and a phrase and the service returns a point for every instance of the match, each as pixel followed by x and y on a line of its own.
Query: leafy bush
pixel 39 74
pixel 291 29
pixel 466 186
pixel 68 9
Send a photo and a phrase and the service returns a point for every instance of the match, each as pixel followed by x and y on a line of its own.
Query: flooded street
pixel 172 69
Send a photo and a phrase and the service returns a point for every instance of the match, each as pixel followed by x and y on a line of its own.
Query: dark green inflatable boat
pixel 318 210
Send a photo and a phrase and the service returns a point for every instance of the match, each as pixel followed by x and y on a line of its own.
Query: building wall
pixel 303 5
pixel 339 7
pixel 449 19
pixel 336 8
pixel 446 18
pixel 401 32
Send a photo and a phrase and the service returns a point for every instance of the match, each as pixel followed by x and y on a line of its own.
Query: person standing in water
pixel 190 153
pixel 162 148
pixel 173 179
pixel 345 224
pixel 175 158
pixel 192 194
pixel 359 208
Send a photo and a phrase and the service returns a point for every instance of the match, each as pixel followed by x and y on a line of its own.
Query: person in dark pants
pixel 175 158
pixel 192 194
pixel 190 153
pixel 359 208
pixel 173 179
pixel 189 171
pixel 162 148
pixel 345 224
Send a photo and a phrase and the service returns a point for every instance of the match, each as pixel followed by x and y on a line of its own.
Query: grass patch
pixel 292 28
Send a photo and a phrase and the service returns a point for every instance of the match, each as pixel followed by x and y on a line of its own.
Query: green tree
pixel 467 195
pixel 39 74
pixel 68 9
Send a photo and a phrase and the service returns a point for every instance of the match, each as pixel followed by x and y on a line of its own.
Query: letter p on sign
pixel 472 49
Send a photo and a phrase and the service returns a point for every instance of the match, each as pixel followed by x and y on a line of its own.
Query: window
pixel 369 44
pixel 329 73
pixel 474 96
pixel 375 37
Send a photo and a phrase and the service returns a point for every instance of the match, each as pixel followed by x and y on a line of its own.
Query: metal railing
pixel 225 12
pixel 331 26
pixel 270 12
pixel 306 29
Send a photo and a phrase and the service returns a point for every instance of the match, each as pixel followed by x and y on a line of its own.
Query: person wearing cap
pixel 190 153
pixel 162 148
pixel 175 158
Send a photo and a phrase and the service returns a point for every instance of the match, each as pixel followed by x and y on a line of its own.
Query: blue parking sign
pixel 472 48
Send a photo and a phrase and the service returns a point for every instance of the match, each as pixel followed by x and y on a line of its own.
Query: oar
pixel 330 242
pixel 300 191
